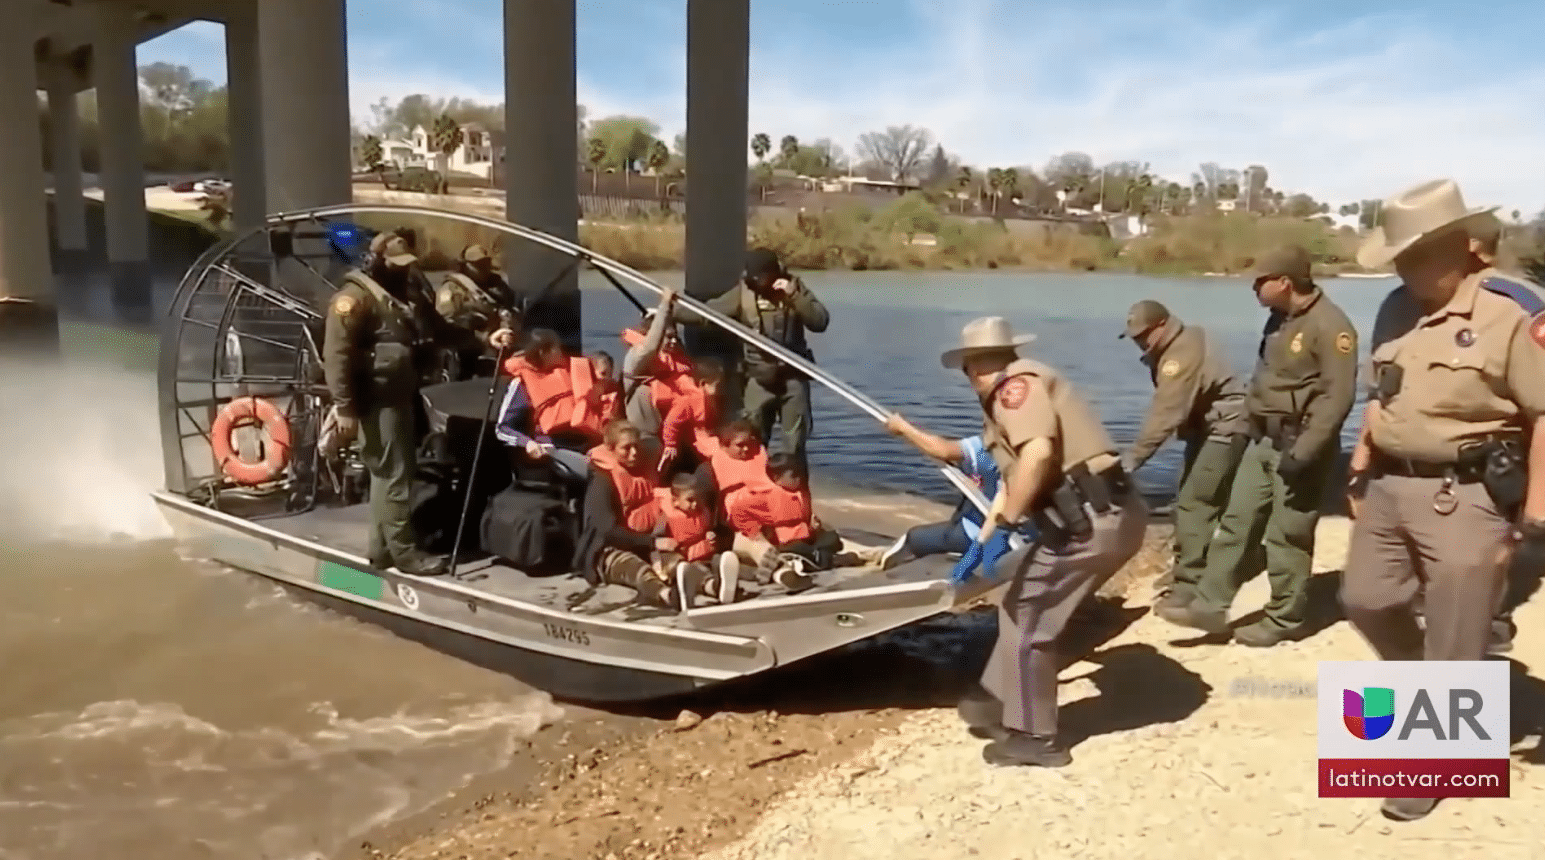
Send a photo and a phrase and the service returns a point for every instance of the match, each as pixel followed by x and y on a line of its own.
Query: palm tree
pixel 1010 180
pixel 788 148
pixel 595 153
pixel 761 144
pixel 659 156
pixel 965 179
pixel 444 139
pixel 994 186
pixel 371 156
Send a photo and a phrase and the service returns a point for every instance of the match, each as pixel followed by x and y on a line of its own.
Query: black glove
pixel 1529 551
pixel 1290 467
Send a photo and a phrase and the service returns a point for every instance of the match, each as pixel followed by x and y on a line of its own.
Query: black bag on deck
pixel 529 530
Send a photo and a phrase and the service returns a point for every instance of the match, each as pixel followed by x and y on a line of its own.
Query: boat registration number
pixel 564 633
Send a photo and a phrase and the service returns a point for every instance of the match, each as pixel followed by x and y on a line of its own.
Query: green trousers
pixel 789 405
pixel 1269 524
pixel 388 450
pixel 1205 485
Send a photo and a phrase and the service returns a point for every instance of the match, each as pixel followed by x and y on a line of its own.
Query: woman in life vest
pixel 622 527
pixel 656 369
pixel 688 520
pixel 783 516
pixel 608 389
pixel 561 393
pixel 687 433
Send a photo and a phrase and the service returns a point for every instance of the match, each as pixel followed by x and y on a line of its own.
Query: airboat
pixel 241 346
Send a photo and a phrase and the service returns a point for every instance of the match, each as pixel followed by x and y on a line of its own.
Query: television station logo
pixel 1414 729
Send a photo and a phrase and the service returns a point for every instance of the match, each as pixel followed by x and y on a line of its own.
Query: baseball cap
pixel 395 252
pixel 763 262
pixel 1143 316
pixel 1290 261
pixel 474 253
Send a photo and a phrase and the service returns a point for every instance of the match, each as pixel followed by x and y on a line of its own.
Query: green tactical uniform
pixel 372 352
pixel 473 309
pixel 1303 388
pixel 773 390
pixel 1198 400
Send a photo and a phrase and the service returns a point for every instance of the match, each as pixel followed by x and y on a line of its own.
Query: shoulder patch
pixel 1345 343
pixel 1169 368
pixel 345 304
pixel 1014 393
pixel 1537 329
pixel 1523 294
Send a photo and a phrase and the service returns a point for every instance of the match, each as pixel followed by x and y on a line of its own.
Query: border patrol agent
pixel 1303 388
pixel 475 301
pixel 1197 399
pixel 374 344
pixel 1441 482
pixel 778 305
pixel 1061 473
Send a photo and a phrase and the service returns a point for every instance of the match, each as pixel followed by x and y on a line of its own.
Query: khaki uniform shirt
pixel 1195 396
pixel 1471 368
pixel 1033 401
pixel 1307 372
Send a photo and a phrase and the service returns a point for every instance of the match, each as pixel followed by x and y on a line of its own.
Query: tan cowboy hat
pixel 1419 213
pixel 981 334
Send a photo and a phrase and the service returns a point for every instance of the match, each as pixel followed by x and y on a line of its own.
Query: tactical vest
pixel 400 339
pixel 760 366
pixel 691 532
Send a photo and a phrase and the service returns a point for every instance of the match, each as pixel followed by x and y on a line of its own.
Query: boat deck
pixel 347 529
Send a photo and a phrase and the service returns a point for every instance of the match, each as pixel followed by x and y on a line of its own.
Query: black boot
pixel 420 563
pixel 1018 749
pixel 982 713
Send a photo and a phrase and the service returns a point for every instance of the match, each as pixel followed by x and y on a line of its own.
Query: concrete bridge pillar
pixel 718 50
pixel 304 71
pixel 245 122
pixel 25 273
pixel 123 155
pixel 541 156
pixel 69 200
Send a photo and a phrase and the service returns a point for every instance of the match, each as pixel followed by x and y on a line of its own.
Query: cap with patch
pixel 395 252
pixel 1143 316
pixel 474 254
pixel 1288 262
pixel 763 262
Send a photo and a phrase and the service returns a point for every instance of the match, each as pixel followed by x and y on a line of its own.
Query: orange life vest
pixel 635 490
pixel 734 478
pixel 670 373
pixel 563 398
pixel 786 512
pixel 698 425
pixel 691 532
pixel 610 398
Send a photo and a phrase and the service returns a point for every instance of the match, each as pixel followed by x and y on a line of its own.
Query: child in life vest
pixel 608 389
pixel 783 516
pixel 687 519
pixel 687 431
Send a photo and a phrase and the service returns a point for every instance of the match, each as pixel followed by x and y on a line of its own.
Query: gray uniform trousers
pixel 1047 586
pixel 1399 543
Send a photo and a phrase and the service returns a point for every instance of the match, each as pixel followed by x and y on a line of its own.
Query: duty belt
pixel 1066 512
pixel 1280 430
pixel 1462 471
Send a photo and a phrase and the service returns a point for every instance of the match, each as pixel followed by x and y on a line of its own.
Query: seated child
pixel 687 431
pixel 688 521
pixel 621 527
pixel 608 389
pixel 781 516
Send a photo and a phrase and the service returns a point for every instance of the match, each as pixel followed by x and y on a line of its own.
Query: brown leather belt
pixel 1382 463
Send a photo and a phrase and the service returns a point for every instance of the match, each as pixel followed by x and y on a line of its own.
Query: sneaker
pixel 726 578
pixel 766 567
pixel 688 581
pixel 792 578
pixel 892 555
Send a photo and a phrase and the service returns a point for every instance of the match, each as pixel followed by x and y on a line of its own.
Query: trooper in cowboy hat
pixel 1061 473
pixel 1441 485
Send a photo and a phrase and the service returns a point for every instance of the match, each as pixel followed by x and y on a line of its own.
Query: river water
pixel 154 706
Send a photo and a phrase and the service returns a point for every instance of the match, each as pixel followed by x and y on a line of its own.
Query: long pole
pixel 477 455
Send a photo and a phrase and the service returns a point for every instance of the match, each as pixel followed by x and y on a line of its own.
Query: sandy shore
pixel 861 756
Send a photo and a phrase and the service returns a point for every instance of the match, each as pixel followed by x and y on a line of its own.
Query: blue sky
pixel 1343 100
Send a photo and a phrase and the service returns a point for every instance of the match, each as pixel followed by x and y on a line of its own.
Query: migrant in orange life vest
pixel 692 531
pixel 635 489
pixel 739 465
pixel 608 391
pixel 693 417
pixel 563 398
pixel 670 373
pixel 788 514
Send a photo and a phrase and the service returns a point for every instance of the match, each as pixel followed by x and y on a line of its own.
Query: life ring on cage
pixel 250 412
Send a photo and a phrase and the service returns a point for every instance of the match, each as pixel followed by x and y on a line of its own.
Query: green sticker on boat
pixel 350 581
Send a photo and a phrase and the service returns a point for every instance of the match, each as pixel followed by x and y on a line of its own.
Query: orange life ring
pixel 248 412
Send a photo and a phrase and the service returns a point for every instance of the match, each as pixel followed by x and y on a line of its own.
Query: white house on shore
pixel 480 150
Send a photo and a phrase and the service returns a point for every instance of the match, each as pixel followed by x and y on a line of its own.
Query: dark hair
pixel 685 484
pixel 409 236
pixel 1301 283
pixel 603 355
pixel 782 465
pixel 708 369
pixel 740 427
pixel 542 339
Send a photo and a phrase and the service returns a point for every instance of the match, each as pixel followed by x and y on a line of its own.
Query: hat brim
pixel 952 359
pixel 1377 251
pixel 401 260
